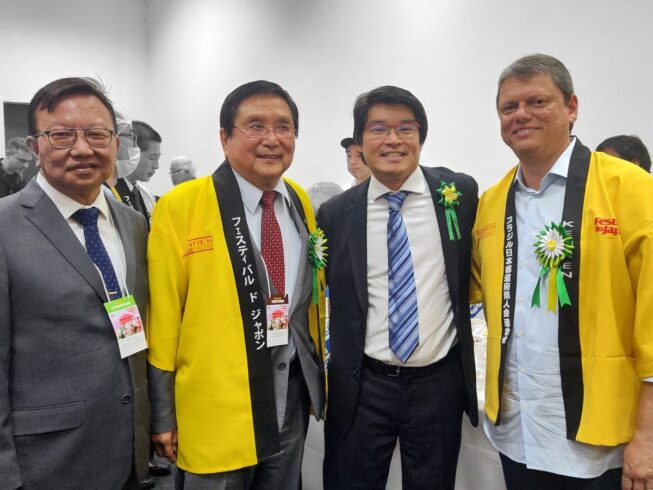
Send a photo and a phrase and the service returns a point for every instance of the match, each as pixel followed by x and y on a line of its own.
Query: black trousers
pixel 519 477
pixel 422 409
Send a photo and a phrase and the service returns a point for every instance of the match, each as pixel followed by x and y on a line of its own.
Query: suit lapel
pixel 357 230
pixel 121 221
pixel 449 247
pixel 301 284
pixel 43 214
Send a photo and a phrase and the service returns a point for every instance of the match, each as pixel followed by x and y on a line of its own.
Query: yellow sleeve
pixel 168 285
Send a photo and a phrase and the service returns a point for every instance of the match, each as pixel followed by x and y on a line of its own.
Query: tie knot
pixel 268 198
pixel 396 200
pixel 87 216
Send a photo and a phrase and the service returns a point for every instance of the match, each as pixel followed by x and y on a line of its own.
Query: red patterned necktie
pixel 271 243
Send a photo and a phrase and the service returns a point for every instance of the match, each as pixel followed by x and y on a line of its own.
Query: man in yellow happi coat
pixel 236 312
pixel 569 388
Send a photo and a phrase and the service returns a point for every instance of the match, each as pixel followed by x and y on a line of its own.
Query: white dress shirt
pixel 437 333
pixel 533 428
pixel 108 232
pixel 290 236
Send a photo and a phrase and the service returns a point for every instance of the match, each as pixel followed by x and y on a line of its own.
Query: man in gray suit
pixel 74 412
pixel 235 338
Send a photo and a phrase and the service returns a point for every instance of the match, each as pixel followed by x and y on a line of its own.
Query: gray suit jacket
pixel 73 415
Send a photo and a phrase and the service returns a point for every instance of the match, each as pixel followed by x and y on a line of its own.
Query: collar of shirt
pixel 415 183
pixel 66 205
pixel 560 169
pixel 251 194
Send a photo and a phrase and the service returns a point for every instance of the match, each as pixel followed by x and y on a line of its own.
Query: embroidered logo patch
pixel 606 226
pixel 199 244
pixel 486 231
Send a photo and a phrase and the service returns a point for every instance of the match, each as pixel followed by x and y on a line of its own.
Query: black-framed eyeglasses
pixel 257 130
pixel 64 138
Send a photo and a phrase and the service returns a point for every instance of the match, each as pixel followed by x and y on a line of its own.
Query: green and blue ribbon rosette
pixel 317 257
pixel 449 198
pixel 552 246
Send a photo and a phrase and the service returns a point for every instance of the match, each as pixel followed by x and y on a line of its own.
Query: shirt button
pixel 520 299
pixel 281 366
pixel 126 399
pixel 520 333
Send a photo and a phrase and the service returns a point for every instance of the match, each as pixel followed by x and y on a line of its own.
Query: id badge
pixel 127 324
pixel 277 320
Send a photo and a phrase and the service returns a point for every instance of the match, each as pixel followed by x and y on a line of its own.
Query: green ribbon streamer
pixel 452 223
pixel 563 295
pixel 315 292
pixel 535 301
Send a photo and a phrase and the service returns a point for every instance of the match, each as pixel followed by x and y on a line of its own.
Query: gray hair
pixel 321 192
pixel 535 64
pixel 16 144
pixel 182 162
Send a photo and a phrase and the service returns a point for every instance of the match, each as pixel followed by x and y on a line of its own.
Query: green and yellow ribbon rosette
pixel 553 245
pixel 317 257
pixel 449 199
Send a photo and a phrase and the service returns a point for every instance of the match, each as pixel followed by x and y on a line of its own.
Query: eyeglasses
pixel 177 170
pixel 64 138
pixel 404 130
pixel 257 130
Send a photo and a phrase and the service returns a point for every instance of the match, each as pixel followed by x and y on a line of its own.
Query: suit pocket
pixel 48 419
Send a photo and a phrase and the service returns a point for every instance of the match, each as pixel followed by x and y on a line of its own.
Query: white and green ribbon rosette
pixel 552 246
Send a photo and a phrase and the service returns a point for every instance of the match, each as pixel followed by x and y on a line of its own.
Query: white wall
pixel 172 62
pixel 449 53
pixel 43 40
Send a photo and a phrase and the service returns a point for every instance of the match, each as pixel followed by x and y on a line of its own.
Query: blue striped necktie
pixel 402 293
pixel 96 251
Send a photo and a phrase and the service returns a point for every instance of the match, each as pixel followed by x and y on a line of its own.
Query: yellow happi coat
pixel 195 328
pixel 615 296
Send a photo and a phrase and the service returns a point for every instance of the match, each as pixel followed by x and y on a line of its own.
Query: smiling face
pixel 260 161
pixel 391 158
pixel 77 172
pixel 535 120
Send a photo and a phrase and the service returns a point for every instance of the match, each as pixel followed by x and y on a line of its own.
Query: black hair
pixel 260 87
pixel 48 97
pixel 629 148
pixel 145 134
pixel 391 96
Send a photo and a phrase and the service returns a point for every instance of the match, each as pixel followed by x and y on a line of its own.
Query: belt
pixel 394 371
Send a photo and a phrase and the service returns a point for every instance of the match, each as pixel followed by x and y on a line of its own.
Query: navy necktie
pixel 402 292
pixel 96 251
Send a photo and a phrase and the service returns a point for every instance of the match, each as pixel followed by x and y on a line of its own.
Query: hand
pixel 638 464
pixel 165 445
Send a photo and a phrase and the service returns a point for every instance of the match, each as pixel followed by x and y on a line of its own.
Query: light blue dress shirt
pixel 533 428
